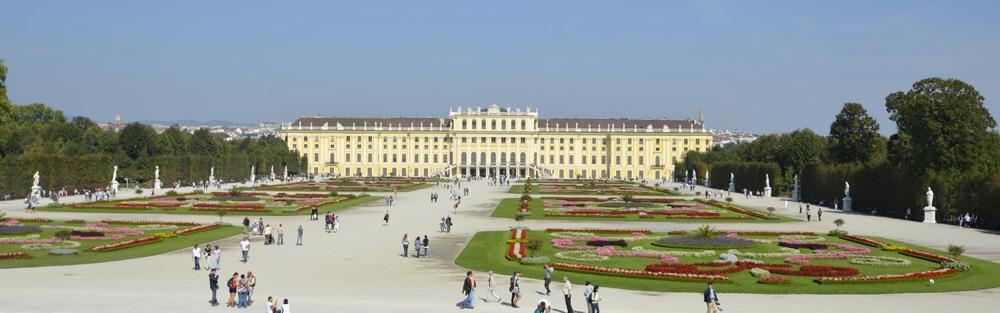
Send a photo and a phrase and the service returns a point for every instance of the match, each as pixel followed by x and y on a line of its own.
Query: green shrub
pixel 171 193
pixel 956 250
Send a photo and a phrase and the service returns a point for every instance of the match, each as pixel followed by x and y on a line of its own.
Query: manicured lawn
pixel 508 208
pixel 574 187
pixel 272 212
pixel 42 257
pixel 486 251
pixel 353 184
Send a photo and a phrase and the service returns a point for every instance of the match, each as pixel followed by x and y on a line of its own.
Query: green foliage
pixel 171 193
pixel 235 191
pixel 854 135
pixel 627 198
pixel 956 250
pixel 533 245
pixel 333 194
pixel 729 199
pixel 5 106
pixel 839 222
pixel 64 234
pixel 749 175
pixel 525 197
pixel 704 231
pixel 770 210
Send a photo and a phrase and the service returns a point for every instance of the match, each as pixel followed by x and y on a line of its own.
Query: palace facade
pixel 495 141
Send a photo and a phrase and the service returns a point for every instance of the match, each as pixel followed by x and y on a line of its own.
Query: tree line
pixel 77 153
pixel 946 139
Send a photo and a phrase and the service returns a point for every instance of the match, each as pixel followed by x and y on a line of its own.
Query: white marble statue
pixel 284 176
pixel 694 176
pixel 767 180
pixel 731 177
pixel 253 177
pixel 37 177
pixel 114 174
pixel 930 197
pixel 156 174
pixel 847 189
pixel 273 177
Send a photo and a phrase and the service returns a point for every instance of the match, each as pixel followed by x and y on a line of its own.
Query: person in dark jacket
pixel 469 290
pixel 213 283
pixel 711 299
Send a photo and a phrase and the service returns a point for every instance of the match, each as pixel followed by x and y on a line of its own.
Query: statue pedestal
pixel 157 185
pixel 767 192
pixel 930 215
pixel 732 187
pixel 795 194
pixel 708 183
pixel 847 204
pixel 36 193
pixel 114 186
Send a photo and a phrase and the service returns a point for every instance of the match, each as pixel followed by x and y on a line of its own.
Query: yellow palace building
pixel 495 141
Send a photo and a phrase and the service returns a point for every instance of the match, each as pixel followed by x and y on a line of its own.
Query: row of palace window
pixel 618 141
pixel 384 139
pixel 493 124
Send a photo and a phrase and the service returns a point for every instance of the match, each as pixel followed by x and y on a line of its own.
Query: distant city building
pixel 495 141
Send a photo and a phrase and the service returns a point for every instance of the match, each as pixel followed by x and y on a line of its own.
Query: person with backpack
pixel 595 298
pixel 711 299
pixel 515 289
pixel 233 282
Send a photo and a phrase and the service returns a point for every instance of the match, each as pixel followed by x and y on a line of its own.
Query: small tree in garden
pixel 64 234
pixel 729 199
pixel 221 213
pixel 770 210
pixel 533 245
pixel 627 198
pixel 956 250
pixel 705 231
pixel 333 193
pixel 235 192
pixel 3 216
pixel 520 217
pixel 839 222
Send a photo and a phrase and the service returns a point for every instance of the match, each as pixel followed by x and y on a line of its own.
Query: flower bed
pixel 148 222
pixel 196 229
pixel 887 277
pixel 862 240
pixel 927 256
pixel 126 244
pixel 704 243
pixel 606 242
pixel 14 255
pixel 772 280
pixel 636 273
pixel 31 219
pixel 516 248
pixel 803 245
pixel 735 209
pixel 599 231
pixel 818 271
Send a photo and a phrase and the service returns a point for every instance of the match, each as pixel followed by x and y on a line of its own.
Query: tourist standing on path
pixel 819 214
pixel 213 284
pixel 196 253
pixel 336 223
pixel 493 288
pixel 711 299
pixel 406 245
pixel 285 307
pixel 246 224
pixel 568 294
pixel 298 240
pixel 587 292
pixel 427 245
pixel 515 289
pixel 251 283
pixel 241 292
pixel 385 219
pixel 416 246
pixel 808 214
pixel 245 248
pixel 268 239
pixel 233 284
pixel 548 278
pixel 469 290
pixel 206 255
pixel 281 235
pixel 314 215
pixel 447 223
pixel 595 299
pixel 216 257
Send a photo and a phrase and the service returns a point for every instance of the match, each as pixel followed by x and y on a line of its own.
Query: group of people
pixel 967 220
pixel 591 293
pixel 211 255
pixel 419 245
pixel 445 226
pixel 808 212
pixel 332 222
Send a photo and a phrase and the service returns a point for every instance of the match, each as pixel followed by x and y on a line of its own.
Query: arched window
pixel 522 125
pixel 513 124
pixel 473 158
pixel 503 158
pixel 524 158
pixel 493 158
pixel 503 124
pixel 513 157
pixel 482 158
pixel 473 124
pixel 493 124
pixel 463 157
pixel 464 124
pixel 657 160
pixel 483 124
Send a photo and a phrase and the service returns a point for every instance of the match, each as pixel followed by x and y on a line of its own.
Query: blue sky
pixel 764 66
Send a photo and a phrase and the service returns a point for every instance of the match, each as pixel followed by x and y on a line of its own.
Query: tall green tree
pixel 203 143
pixel 854 135
pixel 5 105
pixel 942 125
pixel 137 139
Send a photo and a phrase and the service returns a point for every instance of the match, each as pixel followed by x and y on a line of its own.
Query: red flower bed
pixel 222 206
pixel 148 222
pixel 196 229
pixel 750 232
pixel 30 219
pixel 599 231
pixel 575 199
pixel 573 214
pixel 691 269
pixel 516 248
pixel 126 244
pixel 888 277
pixel 862 240
pixel 927 256
pixel 807 245
pixel 818 271
pixel 300 195
pixel 635 273
pixel 242 194
pixel 14 255
pixel 733 208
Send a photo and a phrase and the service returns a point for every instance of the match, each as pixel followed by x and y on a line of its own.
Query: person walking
pixel 246 224
pixel 819 214
pixel 196 253
pixel 268 239
pixel 281 235
pixel 298 240
pixel 336 223
pixel 251 284
pixel 711 299
pixel 515 289
pixel 568 294
pixel 385 219
pixel 233 284
pixel 493 287
pixel 595 299
pixel 808 214
pixel 427 245
pixel 548 278
pixel 587 292
pixel 406 245
pixel 213 284
pixel 245 248
pixel 216 257
pixel 416 246
pixel 469 290
pixel 241 292
pixel 447 223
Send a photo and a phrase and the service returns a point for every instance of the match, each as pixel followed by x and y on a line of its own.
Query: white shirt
pixel 286 308
pixel 567 288
pixel 245 245
pixel 196 252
